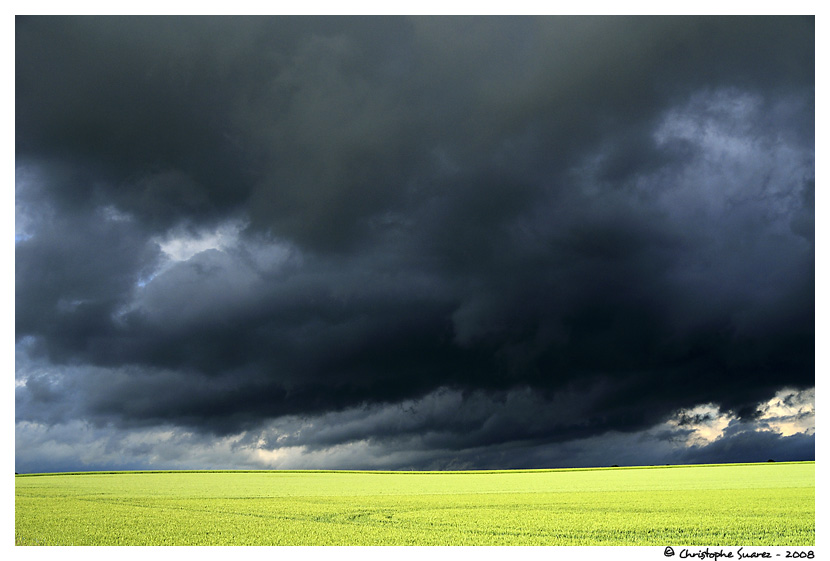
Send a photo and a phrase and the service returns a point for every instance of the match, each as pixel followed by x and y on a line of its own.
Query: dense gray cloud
pixel 550 230
pixel 443 430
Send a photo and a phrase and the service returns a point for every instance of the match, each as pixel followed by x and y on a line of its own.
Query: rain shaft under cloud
pixel 412 242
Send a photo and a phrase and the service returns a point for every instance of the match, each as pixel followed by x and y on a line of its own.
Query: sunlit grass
pixel 749 504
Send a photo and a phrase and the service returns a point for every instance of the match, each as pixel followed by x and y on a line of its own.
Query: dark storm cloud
pixel 616 210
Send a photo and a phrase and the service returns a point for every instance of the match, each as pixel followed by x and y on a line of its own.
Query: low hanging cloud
pixel 443 430
pixel 413 242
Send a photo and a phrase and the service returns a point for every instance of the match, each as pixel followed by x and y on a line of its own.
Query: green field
pixel 735 504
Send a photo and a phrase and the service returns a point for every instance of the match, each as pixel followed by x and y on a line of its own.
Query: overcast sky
pixel 413 243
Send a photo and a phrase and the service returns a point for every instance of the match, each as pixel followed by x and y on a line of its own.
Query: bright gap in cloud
pixel 705 423
pixel 789 412
pixel 181 245
pixel 226 267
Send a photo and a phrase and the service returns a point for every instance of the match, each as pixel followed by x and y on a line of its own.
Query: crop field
pixel 734 504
